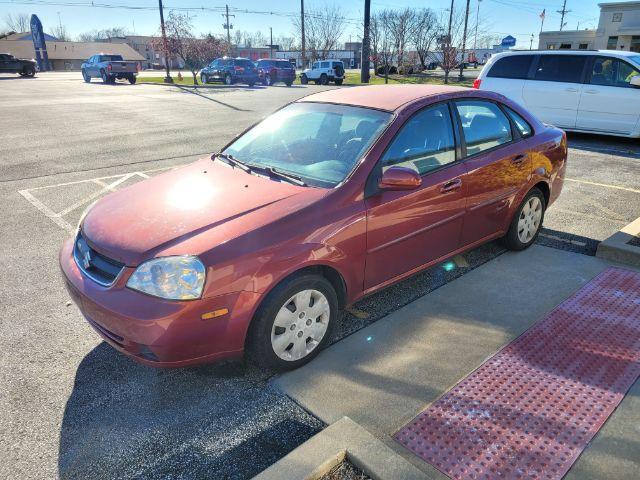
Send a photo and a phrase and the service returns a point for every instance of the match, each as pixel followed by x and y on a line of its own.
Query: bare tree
pixel 323 30
pixel 401 24
pixel 181 43
pixel 20 22
pixel 101 35
pixel 427 30
pixel 237 37
pixel 285 43
pixel 382 41
pixel 60 32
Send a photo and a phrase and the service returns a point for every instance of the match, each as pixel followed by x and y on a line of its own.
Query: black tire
pixel 132 79
pixel 259 348
pixel 324 80
pixel 303 79
pixel 204 79
pixel 338 81
pixel 228 80
pixel 267 80
pixel 86 77
pixel 28 71
pixel 104 76
pixel 289 84
pixel 251 84
pixel 512 240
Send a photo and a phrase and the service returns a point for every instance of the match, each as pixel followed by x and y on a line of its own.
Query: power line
pixel 563 12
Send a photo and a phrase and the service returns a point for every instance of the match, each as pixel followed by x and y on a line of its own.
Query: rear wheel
pixel 267 80
pixel 527 221
pixel 104 76
pixel 85 76
pixel 289 83
pixel 132 79
pixel 324 80
pixel 295 322
pixel 303 79
pixel 338 81
pixel 204 78
pixel 228 80
pixel 28 71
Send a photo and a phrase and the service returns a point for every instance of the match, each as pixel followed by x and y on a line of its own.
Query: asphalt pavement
pixel 70 406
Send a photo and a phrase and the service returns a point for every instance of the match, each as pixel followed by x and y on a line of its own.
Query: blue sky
pixel 519 18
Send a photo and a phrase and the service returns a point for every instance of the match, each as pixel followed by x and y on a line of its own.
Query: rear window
pixel 244 63
pixel 512 66
pixel 110 58
pixel 560 68
pixel 284 65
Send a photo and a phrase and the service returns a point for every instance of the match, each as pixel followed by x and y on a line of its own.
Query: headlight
pixel 173 278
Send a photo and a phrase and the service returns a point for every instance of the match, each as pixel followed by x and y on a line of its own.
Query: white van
pixel 596 91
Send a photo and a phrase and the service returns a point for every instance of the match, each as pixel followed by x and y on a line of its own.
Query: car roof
pixel 619 53
pixel 381 97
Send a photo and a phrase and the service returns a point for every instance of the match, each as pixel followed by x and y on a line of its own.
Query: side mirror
pixel 399 178
pixel 635 81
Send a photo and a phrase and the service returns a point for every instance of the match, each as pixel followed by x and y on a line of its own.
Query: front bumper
pixel 158 332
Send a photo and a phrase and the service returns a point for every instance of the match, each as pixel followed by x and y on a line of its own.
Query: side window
pixel 612 72
pixel 521 123
pixel 560 68
pixel 424 143
pixel 483 124
pixel 512 66
pixel 324 65
pixel 315 65
pixel 624 73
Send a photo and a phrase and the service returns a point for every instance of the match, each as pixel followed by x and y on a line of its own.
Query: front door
pixel 608 102
pixel 495 172
pixel 554 92
pixel 407 229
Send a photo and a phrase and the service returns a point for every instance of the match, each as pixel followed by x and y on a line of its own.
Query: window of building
pixel 511 66
pixel 551 46
pixel 483 124
pixel 617 17
pixel 612 43
pixel 583 46
pixel 425 142
pixel 565 46
pixel 635 43
pixel 560 68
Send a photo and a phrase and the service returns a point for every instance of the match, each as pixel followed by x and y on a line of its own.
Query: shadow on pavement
pixel 620 146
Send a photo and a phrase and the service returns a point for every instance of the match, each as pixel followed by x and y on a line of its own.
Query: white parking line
pixel 61 222
pixel 618 187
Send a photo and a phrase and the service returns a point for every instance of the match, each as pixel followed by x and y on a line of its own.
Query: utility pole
pixel 364 64
pixel 303 53
pixel 270 42
pixel 227 26
pixel 475 40
pixel 167 78
pixel 447 44
pixel 563 12
pixel 464 41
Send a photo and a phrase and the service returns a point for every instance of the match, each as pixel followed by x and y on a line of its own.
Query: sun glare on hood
pixel 190 193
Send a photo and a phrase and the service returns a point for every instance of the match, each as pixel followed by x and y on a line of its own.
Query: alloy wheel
pixel 300 325
pixel 529 220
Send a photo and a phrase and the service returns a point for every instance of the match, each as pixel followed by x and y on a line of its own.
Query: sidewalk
pixel 382 376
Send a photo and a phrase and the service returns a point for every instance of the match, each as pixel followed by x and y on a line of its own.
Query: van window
pixel 324 65
pixel 560 68
pixel 483 124
pixel 612 72
pixel 512 66
pixel 425 142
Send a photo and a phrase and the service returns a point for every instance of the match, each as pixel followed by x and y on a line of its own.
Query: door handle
pixel 591 92
pixel 451 185
pixel 518 159
pixel 572 90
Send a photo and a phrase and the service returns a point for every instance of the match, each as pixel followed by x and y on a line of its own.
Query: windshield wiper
pixel 289 177
pixel 233 161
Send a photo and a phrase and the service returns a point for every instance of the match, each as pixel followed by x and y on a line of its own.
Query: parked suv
pixel 230 71
pixel 323 72
pixel 11 64
pixel 271 71
pixel 586 91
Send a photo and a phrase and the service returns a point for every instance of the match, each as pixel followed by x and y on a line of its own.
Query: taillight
pixel 476 83
pixel 109 67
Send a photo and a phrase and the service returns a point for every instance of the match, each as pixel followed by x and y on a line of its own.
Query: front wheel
pixel 527 221
pixel 204 79
pixel 28 72
pixel 86 77
pixel 295 322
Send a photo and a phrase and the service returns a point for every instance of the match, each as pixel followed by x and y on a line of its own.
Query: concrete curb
pixel 342 440
pixel 616 248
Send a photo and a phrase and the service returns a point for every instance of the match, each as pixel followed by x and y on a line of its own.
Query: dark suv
pixel 11 64
pixel 271 71
pixel 230 71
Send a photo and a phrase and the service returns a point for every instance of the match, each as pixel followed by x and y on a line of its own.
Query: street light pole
pixel 464 41
pixel 364 63
pixel 167 78
pixel 270 42
pixel 475 40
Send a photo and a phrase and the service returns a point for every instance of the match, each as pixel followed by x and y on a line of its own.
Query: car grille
pixel 97 267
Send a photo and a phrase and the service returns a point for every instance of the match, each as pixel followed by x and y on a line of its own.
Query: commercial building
pixel 143 44
pixel 618 29
pixel 64 55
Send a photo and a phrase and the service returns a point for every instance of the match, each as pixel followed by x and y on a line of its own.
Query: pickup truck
pixel 11 64
pixel 109 68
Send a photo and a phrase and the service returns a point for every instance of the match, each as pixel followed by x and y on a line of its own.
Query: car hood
pixel 168 214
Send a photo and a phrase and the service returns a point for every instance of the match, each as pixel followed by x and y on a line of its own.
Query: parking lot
pixel 71 405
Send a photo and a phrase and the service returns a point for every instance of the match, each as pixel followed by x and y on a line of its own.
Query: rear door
pixel 553 94
pixel 4 62
pixel 497 167
pixel 608 102
pixel 507 75
pixel 406 229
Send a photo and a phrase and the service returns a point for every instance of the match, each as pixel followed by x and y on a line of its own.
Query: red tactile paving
pixel 530 410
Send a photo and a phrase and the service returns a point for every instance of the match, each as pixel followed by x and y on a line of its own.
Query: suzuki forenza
pixel 331 198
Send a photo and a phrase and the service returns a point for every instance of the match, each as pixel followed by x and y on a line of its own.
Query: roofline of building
pixel 619 4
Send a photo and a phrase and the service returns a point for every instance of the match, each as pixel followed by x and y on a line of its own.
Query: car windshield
pixel 320 143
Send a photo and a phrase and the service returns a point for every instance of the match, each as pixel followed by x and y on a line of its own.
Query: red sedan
pixel 331 198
